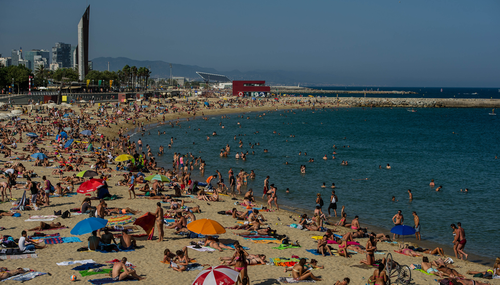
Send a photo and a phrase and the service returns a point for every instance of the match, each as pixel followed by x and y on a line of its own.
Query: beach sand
pixel 147 259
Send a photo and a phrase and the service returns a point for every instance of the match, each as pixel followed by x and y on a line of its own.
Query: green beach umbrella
pixel 158 177
pixel 87 173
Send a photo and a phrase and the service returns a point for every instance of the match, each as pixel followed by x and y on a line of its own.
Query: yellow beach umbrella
pixel 124 157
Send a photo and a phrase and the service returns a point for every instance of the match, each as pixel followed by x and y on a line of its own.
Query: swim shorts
pixel 417 229
pixel 333 206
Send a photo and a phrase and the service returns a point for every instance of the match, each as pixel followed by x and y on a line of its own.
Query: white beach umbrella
pixel 16 112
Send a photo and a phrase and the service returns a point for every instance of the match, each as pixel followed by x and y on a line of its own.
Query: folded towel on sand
pixel 203 248
pixel 39 220
pixel 190 267
pixel 101 271
pixel 72 262
pixel 315 252
pixel 71 239
pixel 292 280
pixel 107 281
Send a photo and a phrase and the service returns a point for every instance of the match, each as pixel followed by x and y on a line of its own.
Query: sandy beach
pixel 147 258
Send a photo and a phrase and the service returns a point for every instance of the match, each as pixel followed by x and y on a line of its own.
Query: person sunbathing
pixel 210 241
pixel 465 282
pixel 323 246
pixel 121 271
pixel 169 257
pixel 427 267
pixel 299 272
pixel 450 272
pixel 111 211
pixel 252 259
pixel 379 276
pixel 179 224
pixel 266 232
pixel 408 252
pixel 8 214
pixel 313 264
pixel 181 260
pixel 8 274
pixel 238 215
pixel 45 226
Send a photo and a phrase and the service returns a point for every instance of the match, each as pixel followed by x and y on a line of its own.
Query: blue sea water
pixel 455 147
pixel 421 92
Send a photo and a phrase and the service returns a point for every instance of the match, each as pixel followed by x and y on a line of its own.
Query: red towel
pixel 147 222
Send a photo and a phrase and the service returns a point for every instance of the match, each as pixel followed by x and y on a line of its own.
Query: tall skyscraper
pixel 36 57
pixel 83 44
pixel 16 56
pixel 74 55
pixel 61 54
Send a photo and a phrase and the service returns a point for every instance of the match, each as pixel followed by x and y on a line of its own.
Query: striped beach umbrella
pixel 217 275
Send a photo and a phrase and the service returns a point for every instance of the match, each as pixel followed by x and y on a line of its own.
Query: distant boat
pixel 475 93
pixel 441 89
pixel 493 113
pixel 411 110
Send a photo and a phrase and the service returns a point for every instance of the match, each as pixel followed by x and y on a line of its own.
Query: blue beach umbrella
pixel 39 155
pixel 403 230
pixel 68 143
pixel 63 135
pixel 86 133
pixel 88 225
pixel 32 135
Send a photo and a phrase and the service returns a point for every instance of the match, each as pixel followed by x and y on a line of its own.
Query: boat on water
pixel 493 113
pixel 411 110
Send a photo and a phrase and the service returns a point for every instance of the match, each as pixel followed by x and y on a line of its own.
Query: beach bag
pixel 66 214
pixel 321 203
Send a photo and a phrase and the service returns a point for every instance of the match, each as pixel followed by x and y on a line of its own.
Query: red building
pixel 250 88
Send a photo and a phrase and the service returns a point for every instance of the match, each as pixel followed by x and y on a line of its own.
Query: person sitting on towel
pixel 94 241
pixel 127 241
pixel 27 244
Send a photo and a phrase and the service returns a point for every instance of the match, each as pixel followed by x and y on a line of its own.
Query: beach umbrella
pixel 124 157
pixel 63 135
pixel 140 174
pixel 88 225
pixel 67 129
pixel 87 173
pixel 206 227
pixel 158 177
pixel 403 230
pixel 39 155
pixel 90 186
pixel 32 135
pixel 147 223
pixel 86 133
pixel 16 112
pixel 69 143
pixel 10 171
pixel 217 275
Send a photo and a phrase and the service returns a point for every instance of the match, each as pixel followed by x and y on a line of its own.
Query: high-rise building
pixel 61 54
pixel 83 44
pixel 36 57
pixel 16 56
pixel 5 61
pixel 74 55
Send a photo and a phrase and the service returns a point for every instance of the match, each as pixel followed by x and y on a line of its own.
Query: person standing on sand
pixel 461 241
pixel 397 220
pixel 159 221
pixel 232 183
pixel 266 186
pixel 416 219
pixel 273 197
pixel 131 184
pixel 333 204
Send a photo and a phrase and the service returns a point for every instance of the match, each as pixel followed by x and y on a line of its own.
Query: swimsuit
pixel 431 270
pixel 464 241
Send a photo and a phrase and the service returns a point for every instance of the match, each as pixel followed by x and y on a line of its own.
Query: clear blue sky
pixel 363 42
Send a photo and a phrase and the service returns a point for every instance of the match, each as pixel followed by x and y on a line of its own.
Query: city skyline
pixel 396 43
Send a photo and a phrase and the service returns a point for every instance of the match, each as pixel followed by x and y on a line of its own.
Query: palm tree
pixel 147 74
pixel 126 73
pixel 41 75
pixel 133 74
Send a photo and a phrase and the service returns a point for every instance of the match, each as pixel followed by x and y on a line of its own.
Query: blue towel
pixel 88 266
pixel 315 252
pixel 71 239
pixel 232 246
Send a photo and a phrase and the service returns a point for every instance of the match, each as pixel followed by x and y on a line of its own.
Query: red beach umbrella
pixel 217 275
pixel 90 186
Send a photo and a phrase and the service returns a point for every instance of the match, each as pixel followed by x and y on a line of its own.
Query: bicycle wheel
pixel 389 264
pixel 404 275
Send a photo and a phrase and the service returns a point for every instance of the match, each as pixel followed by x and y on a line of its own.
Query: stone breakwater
pixel 407 102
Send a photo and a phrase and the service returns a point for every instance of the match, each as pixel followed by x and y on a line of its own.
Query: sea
pixel 457 147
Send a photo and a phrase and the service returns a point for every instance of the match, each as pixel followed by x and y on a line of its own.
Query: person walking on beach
pixel 273 197
pixel 461 241
pixel 159 221
pixel 131 184
pixel 232 183
pixel 266 186
pixel 333 204
pixel 397 220
pixel 416 219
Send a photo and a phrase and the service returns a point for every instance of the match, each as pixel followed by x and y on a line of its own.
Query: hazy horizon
pixel 362 43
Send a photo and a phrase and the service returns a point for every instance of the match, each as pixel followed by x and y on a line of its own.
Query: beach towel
pixel 315 252
pixel 107 281
pixel 190 267
pixel 55 240
pixel 101 271
pixel 44 237
pixel 39 220
pixel 16 253
pixel 232 246
pixel 266 241
pixel 71 239
pixel 285 246
pixel 44 217
pixel 26 276
pixel 86 261
pixel 292 280
pixel 87 266
pixel 147 223
pixel 203 248
pixel 60 228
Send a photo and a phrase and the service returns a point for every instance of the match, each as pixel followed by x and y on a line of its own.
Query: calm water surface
pixel 455 147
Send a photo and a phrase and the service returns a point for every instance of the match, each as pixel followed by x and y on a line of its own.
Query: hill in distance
pixel 161 69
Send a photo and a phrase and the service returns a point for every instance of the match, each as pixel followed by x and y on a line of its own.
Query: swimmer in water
pixel 388 166
pixel 432 183
pixel 439 188
pixel 324 185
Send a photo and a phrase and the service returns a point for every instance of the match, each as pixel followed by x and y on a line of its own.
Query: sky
pixel 441 43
